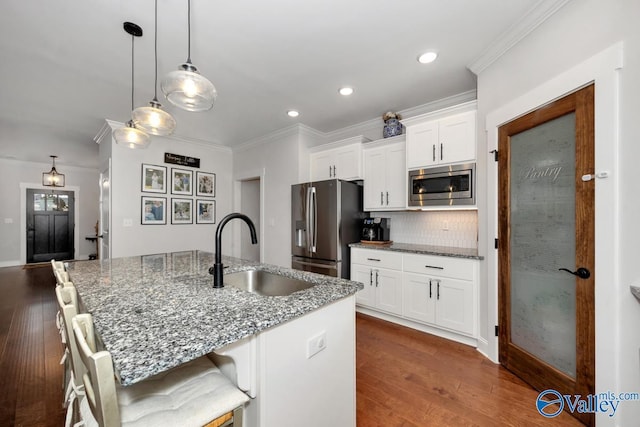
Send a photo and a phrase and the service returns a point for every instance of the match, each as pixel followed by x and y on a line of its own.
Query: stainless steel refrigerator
pixel 325 217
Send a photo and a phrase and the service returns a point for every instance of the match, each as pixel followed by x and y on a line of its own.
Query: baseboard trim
pixel 462 339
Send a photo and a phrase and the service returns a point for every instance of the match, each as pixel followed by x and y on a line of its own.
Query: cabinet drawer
pixel 442 266
pixel 375 258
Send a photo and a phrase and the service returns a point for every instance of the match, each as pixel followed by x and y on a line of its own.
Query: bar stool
pixel 74 368
pixel 193 394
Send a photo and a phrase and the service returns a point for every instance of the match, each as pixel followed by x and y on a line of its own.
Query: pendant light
pixel 186 88
pixel 53 178
pixel 153 118
pixel 129 135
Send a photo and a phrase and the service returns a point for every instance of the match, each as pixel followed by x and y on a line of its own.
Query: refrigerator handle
pixel 314 222
pixel 312 218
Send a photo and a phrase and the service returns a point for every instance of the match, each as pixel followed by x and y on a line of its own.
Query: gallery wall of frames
pixel 184 195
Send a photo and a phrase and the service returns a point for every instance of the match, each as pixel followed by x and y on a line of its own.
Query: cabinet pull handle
pixel 329 171
pixel 441 149
pixel 438 290
pixel 387 198
pixel 381 198
pixel 434 266
pixel 376 278
pixel 334 171
pixel 370 277
pixel 434 152
pixel 430 289
pixel 373 259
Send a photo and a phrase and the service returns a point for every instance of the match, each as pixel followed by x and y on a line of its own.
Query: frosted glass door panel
pixel 543 309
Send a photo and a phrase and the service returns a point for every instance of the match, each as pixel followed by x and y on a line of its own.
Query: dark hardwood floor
pixel 404 377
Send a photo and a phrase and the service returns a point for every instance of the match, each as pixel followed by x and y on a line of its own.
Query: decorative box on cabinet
pixel 443 137
pixel 381 273
pixel 341 160
pixel 385 174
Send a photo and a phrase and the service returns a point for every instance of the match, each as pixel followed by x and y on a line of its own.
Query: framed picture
pixel 154 179
pixel 154 210
pixel 206 184
pixel 181 211
pixel 205 211
pixel 181 181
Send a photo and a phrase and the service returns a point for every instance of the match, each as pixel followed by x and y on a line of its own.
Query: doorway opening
pixel 249 200
pixel 50 223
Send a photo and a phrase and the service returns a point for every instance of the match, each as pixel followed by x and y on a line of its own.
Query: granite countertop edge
pixel 448 251
pixel 155 312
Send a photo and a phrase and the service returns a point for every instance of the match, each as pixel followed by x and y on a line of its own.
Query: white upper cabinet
pixel 442 140
pixel 341 160
pixel 385 174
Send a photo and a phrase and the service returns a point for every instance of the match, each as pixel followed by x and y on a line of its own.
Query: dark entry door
pixel 547 247
pixel 50 222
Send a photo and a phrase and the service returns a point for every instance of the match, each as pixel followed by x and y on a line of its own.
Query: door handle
pixel 581 272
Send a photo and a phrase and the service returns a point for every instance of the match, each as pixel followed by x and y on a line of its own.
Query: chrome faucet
pixel 217 268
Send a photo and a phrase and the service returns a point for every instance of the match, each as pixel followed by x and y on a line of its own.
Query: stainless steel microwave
pixel 443 185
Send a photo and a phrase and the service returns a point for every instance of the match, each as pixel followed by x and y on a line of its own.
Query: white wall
pixel 17 174
pixel 557 54
pixel 138 239
pixel 278 156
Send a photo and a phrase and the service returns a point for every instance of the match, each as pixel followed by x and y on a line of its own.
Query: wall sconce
pixel 53 178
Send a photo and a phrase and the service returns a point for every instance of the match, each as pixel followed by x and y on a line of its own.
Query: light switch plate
pixel 127 222
pixel 316 344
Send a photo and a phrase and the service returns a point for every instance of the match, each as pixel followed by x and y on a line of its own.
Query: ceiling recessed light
pixel 292 113
pixel 346 91
pixel 427 57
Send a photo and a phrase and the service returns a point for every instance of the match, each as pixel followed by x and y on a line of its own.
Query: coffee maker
pixel 375 229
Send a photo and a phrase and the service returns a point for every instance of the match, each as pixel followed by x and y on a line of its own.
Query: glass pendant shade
pixel 153 119
pixel 131 137
pixel 186 88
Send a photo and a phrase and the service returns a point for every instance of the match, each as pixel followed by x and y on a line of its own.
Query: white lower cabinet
pixel 447 303
pixel 382 285
pixel 438 292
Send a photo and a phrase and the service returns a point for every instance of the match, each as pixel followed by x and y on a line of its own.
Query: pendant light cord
pixel 132 67
pixel 189 32
pixel 155 52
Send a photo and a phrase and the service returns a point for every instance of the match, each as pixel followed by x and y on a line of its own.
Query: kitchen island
pixel 155 312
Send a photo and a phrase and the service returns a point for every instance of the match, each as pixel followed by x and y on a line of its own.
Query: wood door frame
pixel 23 216
pixel 604 69
pixel 542 375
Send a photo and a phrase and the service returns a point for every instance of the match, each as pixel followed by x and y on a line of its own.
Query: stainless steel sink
pixel 265 283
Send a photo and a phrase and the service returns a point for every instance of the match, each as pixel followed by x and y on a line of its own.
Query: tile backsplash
pixel 438 228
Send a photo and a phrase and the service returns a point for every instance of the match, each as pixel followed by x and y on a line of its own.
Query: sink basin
pixel 265 283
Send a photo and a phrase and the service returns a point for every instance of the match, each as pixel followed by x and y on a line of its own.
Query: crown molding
pixel 293 130
pixel 374 126
pixel 538 14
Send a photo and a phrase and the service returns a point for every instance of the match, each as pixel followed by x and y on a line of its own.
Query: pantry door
pixel 546 246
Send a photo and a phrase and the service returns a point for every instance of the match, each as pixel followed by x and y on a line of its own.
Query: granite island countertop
pixel 469 253
pixel 155 312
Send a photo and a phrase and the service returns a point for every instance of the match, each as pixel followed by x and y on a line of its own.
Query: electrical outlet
pixel 316 344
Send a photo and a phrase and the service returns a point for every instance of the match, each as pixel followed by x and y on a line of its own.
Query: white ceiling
pixel 66 64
